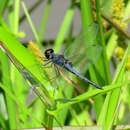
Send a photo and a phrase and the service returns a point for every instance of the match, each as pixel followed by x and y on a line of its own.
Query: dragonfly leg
pixel 56 71
pixel 49 61
pixel 45 60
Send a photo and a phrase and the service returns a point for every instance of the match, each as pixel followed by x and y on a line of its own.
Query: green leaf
pixel 108 112
pixel 61 103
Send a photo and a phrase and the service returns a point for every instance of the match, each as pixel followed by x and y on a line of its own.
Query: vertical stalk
pixel 31 24
pixel 87 19
pixel 101 36
pixel 44 20
pixel 10 105
pixel 50 122
pixel 16 16
pixel 86 13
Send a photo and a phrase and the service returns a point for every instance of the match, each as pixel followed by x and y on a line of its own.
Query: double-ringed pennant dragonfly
pixel 82 45
pixel 61 61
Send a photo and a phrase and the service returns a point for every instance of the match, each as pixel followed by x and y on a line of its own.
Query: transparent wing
pixel 84 51
pixel 83 39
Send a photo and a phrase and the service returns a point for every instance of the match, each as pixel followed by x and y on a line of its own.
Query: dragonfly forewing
pixel 82 51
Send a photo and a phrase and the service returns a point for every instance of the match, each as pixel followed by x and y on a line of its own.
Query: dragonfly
pixel 60 61
pixel 85 42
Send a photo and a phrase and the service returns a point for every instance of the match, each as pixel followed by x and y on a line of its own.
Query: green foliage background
pixel 65 107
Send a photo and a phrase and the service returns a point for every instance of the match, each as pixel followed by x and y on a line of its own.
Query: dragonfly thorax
pixel 49 53
pixel 56 58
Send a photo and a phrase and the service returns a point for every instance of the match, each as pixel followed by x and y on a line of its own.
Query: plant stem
pixel 101 36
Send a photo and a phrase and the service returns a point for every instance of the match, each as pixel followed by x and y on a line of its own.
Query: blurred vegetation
pixel 57 102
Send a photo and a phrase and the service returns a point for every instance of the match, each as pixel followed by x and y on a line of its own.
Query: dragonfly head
pixel 49 53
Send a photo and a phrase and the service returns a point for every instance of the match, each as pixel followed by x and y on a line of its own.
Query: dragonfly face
pixel 49 53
